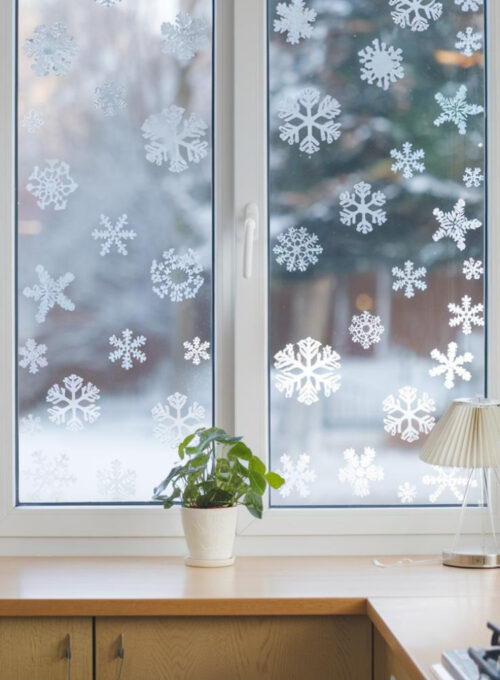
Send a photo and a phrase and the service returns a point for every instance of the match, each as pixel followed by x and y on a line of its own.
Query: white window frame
pixel 240 329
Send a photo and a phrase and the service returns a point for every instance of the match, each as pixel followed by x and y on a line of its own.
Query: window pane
pixel 114 243
pixel 377 142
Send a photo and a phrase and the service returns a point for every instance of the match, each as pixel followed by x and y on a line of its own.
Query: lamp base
pixel 471 560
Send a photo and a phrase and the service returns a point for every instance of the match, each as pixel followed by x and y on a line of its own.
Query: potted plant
pixel 216 472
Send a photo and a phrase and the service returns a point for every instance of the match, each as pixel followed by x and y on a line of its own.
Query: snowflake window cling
pixel 468 42
pixel 307 372
pixel 297 475
pixel 466 315
pixel 360 471
pixel 52 184
pixel 454 224
pixel 51 49
pixel 472 269
pixel 297 249
pixel 171 423
pixel 32 121
pixel 409 279
pixel 407 160
pixel 110 98
pixel 456 109
pixel 75 401
pixel 407 493
pixel 113 235
pixel 127 349
pixel 473 177
pixel 295 20
pixel 177 277
pixel 185 37
pixel 196 351
pixel 33 356
pixel 381 65
pixel 116 483
pixel 362 208
pixel 366 329
pixel 469 5
pixel 408 414
pixel 49 292
pixel 415 14
pixel 30 424
pixel 447 478
pixel 48 477
pixel 451 364
pixel 306 126
pixel 175 139
pixel 107 3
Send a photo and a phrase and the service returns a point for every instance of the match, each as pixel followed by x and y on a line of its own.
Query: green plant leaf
pixel 257 465
pixel 241 451
pixel 253 503
pixel 257 482
pixel 274 480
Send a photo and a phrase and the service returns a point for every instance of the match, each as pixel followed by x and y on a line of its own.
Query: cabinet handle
pixel 68 654
pixel 121 655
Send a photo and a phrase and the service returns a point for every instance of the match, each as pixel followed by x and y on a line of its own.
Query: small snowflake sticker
pixel 468 42
pixel 48 478
pixel 33 356
pixel 49 292
pixel 32 121
pixel 113 235
pixel 171 423
pixel 381 65
pixel 447 479
pixel 110 98
pixel 295 19
pixel 116 483
pixel 107 3
pixel 407 493
pixel 408 414
pixel 473 177
pixel 297 475
pixel 185 37
pixel 297 249
pixel 307 372
pixel 451 364
pixel 415 14
pixel 52 184
pixel 196 351
pixel 51 49
pixel 360 471
pixel 306 125
pixel 366 329
pixel 30 425
pixel 127 348
pixel 408 161
pixel 469 5
pixel 177 277
pixel 362 208
pixel 472 269
pixel 74 403
pixel 456 109
pixel 466 315
pixel 454 224
pixel 409 279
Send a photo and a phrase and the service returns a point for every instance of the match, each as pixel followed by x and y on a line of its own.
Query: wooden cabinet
pixel 36 648
pixel 386 665
pixel 239 648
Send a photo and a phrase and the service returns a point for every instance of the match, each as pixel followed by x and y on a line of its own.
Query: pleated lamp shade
pixel 467 435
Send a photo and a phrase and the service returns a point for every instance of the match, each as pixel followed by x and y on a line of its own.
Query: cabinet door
pixel 235 648
pixel 36 648
pixel 386 665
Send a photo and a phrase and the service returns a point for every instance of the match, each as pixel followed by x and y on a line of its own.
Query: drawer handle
pixel 121 655
pixel 68 654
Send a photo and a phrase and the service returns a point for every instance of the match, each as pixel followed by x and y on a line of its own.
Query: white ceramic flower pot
pixel 210 536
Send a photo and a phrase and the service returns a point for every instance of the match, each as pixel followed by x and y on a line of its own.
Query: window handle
pixel 251 223
pixel 68 654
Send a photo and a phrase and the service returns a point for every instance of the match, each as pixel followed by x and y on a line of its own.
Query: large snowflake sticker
pixel 127 348
pixel 415 14
pixel 451 364
pixel 110 98
pixel 297 475
pixel 472 269
pixel 306 125
pixel 362 208
pixel 456 109
pixel 295 19
pixel 307 372
pixel 48 477
pixel 49 292
pixel 469 5
pixel 171 423
pixel 177 277
pixel 473 177
pixel 466 315
pixel 115 482
pixel 297 249
pixel 33 356
pixel 360 471
pixel 409 279
pixel 447 479
pixel 74 403
pixel 113 235
pixel 52 184
pixel 366 329
pixel 185 37
pixel 51 49
pixel 196 351
pixel 454 224
pixel 32 121
pixel 381 65
pixel 407 160
pixel 407 493
pixel 468 42
pixel 408 414
pixel 175 139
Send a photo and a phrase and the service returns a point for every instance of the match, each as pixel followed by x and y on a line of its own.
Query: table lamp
pixel 468 436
